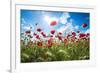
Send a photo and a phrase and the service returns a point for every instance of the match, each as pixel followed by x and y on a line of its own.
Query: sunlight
pixel 49 19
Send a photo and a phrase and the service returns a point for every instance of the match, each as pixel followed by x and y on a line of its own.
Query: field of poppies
pixel 55 46
pixel 47 36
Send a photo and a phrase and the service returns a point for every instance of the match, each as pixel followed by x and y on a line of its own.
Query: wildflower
pixel 39 30
pixel 34 34
pixel 84 25
pixel 73 39
pixel 66 41
pixel 60 33
pixel 52 31
pixel 30 36
pixel 53 23
pixel 43 34
pixel 51 35
pixel 37 36
pixel 87 35
pixel 28 32
pixel 68 36
pixel 81 35
pixel 73 34
pixel 50 42
pixel 39 44
pixel 59 37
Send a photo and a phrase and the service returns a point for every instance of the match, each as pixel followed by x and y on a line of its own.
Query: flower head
pixel 60 33
pixel 87 35
pixel 37 36
pixel 28 32
pixel 53 23
pixel 52 31
pixel 59 37
pixel 84 25
pixel 50 42
pixel 82 35
pixel 73 34
pixel 39 44
pixel 39 30
pixel 34 34
pixel 43 34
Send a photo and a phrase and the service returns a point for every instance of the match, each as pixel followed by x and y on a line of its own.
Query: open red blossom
pixel 59 37
pixel 84 25
pixel 28 32
pixel 52 31
pixel 39 30
pixel 40 44
pixel 73 34
pixel 34 34
pixel 73 39
pixel 51 35
pixel 87 35
pixel 60 33
pixel 53 23
pixel 50 40
pixel 37 36
pixel 43 34
pixel 68 36
pixel 82 35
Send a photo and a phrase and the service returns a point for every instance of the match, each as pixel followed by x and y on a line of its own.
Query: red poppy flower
pixel 28 32
pixel 50 40
pixel 37 36
pixel 34 34
pixel 39 30
pixel 66 41
pixel 68 36
pixel 84 25
pixel 73 34
pixel 52 31
pixel 53 23
pixel 39 44
pixel 73 39
pixel 43 34
pixel 81 35
pixel 87 35
pixel 51 35
pixel 60 33
pixel 59 37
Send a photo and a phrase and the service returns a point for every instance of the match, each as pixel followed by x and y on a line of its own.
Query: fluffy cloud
pixel 64 17
pixel 23 21
pixel 26 27
pixel 66 29
pixel 76 27
pixel 87 31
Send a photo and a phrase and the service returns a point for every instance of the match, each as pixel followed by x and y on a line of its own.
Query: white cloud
pixel 22 24
pixel 76 27
pixel 23 21
pixel 49 19
pixel 26 27
pixel 64 18
pixel 87 31
pixel 66 29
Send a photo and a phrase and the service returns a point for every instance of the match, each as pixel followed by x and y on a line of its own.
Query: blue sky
pixel 66 21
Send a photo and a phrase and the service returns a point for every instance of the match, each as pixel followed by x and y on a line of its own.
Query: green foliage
pixel 56 53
